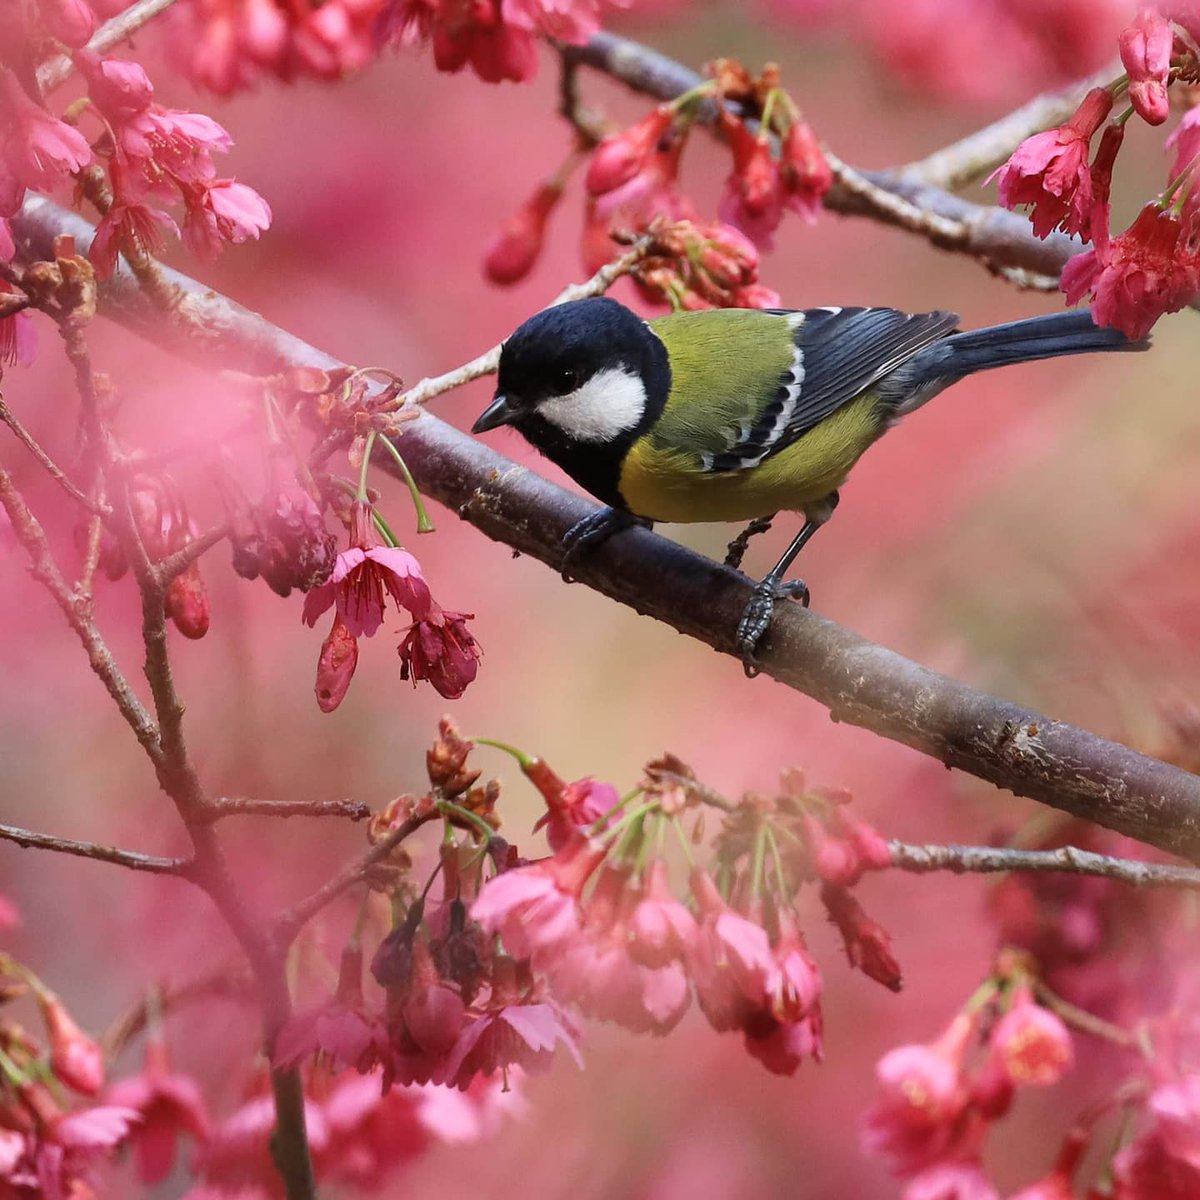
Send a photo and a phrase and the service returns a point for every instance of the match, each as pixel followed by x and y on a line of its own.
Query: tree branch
pixel 244 806
pixel 1068 859
pixel 29 840
pixel 909 198
pixel 861 683
pixel 111 33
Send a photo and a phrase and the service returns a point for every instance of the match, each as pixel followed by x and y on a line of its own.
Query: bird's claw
pixel 591 531
pixel 756 619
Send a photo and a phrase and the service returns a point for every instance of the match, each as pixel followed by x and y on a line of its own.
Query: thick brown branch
pixel 1069 859
pixel 109 854
pixel 861 683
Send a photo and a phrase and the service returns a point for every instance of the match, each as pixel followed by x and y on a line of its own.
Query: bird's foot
pixel 756 619
pixel 596 528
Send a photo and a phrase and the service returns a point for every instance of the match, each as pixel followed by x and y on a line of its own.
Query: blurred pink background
pixel 1032 532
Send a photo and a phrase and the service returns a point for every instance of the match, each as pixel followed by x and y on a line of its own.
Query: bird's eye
pixel 568 380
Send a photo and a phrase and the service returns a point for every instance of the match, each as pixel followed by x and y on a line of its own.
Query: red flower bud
pixel 74 1057
pixel 1146 52
pixel 868 944
pixel 805 172
pixel 622 155
pixel 512 255
pixel 187 602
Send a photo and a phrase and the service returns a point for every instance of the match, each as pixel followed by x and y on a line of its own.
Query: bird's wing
pixel 838 353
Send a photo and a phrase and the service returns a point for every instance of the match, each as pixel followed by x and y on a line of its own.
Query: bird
pixel 737 414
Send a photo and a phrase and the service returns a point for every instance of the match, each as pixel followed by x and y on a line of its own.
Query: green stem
pixel 759 861
pixel 520 755
pixel 447 806
pixel 361 494
pixel 14 1073
pixel 769 110
pixel 424 524
pixel 683 841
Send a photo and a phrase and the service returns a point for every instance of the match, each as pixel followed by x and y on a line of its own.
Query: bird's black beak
pixel 496 414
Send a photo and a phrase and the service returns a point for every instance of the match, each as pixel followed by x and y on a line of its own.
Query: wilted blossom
pixel 1150 269
pixel 1146 54
pixel 804 170
pixel 335 666
pixel 753 198
pixel 1050 171
pixel 439 647
pixel 169 1105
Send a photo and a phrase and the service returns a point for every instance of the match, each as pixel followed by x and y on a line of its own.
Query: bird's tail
pixel 946 361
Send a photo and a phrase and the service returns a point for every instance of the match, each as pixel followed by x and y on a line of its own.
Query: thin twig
pixel 245 806
pixel 110 854
pixel 174 564
pixel 291 921
pixel 77 610
pixel 1086 1022
pixel 1067 859
pixel 30 443
pixel 111 33
pixel 967 159
pixel 487 362
pixel 860 682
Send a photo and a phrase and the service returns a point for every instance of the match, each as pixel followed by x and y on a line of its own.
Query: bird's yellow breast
pixel 664 484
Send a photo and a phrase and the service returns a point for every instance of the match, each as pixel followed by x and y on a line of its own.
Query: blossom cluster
pixel 1153 267
pixel 151 155
pixel 231 44
pixel 489 979
pixel 632 186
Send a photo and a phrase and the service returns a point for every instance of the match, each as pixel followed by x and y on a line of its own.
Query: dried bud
pixel 441 649
pixel 446 761
pixel 335 666
pixel 296 550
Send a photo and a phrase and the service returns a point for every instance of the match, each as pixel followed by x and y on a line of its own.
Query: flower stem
pixel 465 814
pixel 520 755
pixel 361 494
pixel 424 524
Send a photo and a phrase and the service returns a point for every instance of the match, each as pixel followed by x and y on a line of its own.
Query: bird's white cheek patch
pixel 607 405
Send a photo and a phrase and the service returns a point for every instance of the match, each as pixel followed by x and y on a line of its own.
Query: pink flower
pixel 371 1131
pixel 75 1058
pixel 39 149
pixel 516 248
pixel 753 198
pixel 661 929
pixel 1150 269
pixel 168 1105
pixel 623 154
pixel 523 1035
pixel 71 21
pixel 134 227
pixel 573 808
pixel 535 909
pixel 1030 1043
pixel 804 171
pixel 362 575
pixel 1175 1108
pixel 922 1096
pixel 1146 52
pixel 730 960
pixel 571 21
pixel 119 89
pixel 238 1153
pixel 58 1162
pixel 951 1181
pixel 475 32
pixel 439 647
pixel 783 1047
pixel 1050 171
pixel 1185 141
pixel 343 1029
pixel 223 211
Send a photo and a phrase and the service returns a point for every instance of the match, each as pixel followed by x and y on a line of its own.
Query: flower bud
pixel 512 255
pixel 74 1057
pixel 335 666
pixel 622 155
pixel 187 602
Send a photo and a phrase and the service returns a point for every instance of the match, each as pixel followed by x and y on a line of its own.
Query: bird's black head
pixel 581 381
